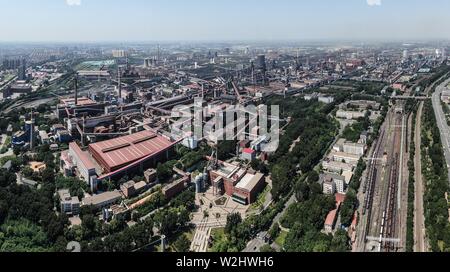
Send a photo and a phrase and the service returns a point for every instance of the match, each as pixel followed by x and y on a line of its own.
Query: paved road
pixel 256 244
pixel 419 212
pixel 201 237
pixel 442 122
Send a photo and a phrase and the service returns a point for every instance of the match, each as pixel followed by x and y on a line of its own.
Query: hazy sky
pixel 157 20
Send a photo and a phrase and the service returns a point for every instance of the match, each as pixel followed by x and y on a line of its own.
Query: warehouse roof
pixel 121 151
pixel 249 181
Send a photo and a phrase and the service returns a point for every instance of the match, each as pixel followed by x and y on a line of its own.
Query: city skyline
pixel 200 20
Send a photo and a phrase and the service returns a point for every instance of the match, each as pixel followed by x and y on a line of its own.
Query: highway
pixel 442 121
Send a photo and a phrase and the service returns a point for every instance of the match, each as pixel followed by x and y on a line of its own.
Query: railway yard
pixel 383 194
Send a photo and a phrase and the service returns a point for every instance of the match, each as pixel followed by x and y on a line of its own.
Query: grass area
pixel 258 205
pixel 8 141
pixel 281 238
pixel 219 237
pixel 6 159
pixel 189 232
pixel 146 194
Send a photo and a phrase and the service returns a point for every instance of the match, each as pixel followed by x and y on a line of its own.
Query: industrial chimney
pixel 76 90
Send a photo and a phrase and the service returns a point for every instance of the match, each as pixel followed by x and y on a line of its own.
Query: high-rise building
pixel 261 66
pixel 11 64
pixel 22 70
pixel 405 54
pixel 118 53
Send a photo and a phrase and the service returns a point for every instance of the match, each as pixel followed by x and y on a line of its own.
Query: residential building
pixel 345 157
pixel 326 99
pixel 132 189
pixel 69 205
pixel 330 221
pixel 354 148
pixel 336 166
pixel 332 183
pixel 103 200
pixel 329 187
pixel 340 185
pixel 63 136
pixel 43 137
pixel 339 146
pixel 150 175
pixel 176 187
pixel 350 115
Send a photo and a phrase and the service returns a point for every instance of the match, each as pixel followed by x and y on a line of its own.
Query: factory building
pixel 20 87
pixel 94 75
pixel 76 106
pixel 76 161
pixel 114 157
pixel 117 153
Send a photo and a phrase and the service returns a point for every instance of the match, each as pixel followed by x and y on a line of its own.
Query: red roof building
pixel 117 153
pixel 330 221
pixel 248 154
pixel 340 198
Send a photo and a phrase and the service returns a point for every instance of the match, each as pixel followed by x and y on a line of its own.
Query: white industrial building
pixel 354 148
pixel 76 161
pixel 350 115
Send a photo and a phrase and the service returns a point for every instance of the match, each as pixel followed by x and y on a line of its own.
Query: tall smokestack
pixel 76 90
pixel 32 130
pixel 119 82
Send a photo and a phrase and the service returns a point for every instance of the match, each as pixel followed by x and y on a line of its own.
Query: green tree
pixel 267 249
pixel 233 221
pixel 182 244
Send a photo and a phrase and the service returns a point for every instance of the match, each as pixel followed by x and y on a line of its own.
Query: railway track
pixel 389 228
pixel 381 218
pixel 390 217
